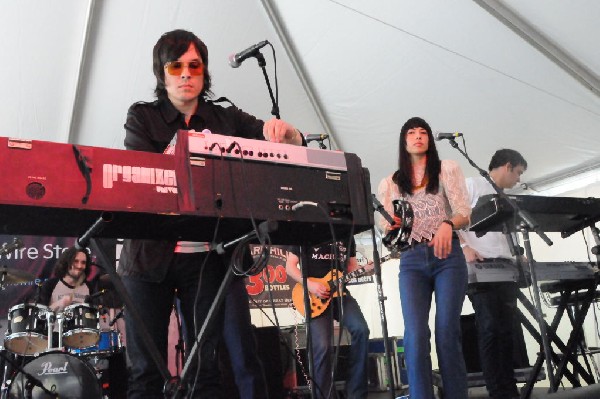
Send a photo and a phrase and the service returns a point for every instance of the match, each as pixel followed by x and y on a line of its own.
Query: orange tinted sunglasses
pixel 175 68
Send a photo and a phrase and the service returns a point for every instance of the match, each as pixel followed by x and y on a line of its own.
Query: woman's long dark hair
pixel 403 176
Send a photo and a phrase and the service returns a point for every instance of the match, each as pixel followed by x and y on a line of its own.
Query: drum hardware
pixel 5 371
pixel 12 276
pixel 92 297
pixel 5 249
pixel 50 318
pixel 60 325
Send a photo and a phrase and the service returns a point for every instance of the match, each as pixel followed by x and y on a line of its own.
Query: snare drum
pixel 27 332
pixel 80 326
pixel 69 376
pixel 109 343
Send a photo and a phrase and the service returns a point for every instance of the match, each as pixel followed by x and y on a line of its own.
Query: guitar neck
pixel 353 274
pixel 361 270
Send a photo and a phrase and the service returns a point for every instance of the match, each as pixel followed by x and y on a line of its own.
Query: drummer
pixel 69 284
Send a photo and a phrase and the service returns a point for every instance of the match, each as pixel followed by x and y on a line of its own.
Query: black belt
pixel 414 243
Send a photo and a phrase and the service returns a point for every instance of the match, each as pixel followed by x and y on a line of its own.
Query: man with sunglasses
pixel 155 271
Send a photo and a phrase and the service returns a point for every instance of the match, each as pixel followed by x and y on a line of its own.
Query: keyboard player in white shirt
pixel 494 303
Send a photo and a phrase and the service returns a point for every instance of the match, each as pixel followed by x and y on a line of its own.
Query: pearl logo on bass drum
pixel 47 369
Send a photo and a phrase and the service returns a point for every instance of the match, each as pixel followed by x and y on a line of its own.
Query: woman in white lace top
pixel 434 262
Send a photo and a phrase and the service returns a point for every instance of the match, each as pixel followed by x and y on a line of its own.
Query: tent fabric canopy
pixel 353 69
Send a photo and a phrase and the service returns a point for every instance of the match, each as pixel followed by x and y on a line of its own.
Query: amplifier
pixel 378 380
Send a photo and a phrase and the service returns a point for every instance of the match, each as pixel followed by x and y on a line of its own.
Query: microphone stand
pixel 83 241
pixel 304 266
pixel 382 298
pixel 596 248
pixel 262 63
pixel 117 317
pixel 523 223
pixel 321 144
pixel 179 347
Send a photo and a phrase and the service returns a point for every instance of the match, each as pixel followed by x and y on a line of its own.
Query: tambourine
pixel 397 239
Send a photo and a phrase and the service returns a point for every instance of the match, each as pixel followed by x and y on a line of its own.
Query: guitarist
pixel 322 260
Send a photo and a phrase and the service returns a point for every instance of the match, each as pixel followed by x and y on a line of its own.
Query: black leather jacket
pixel 151 127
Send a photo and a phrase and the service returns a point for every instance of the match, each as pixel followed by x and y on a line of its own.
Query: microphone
pixel 88 298
pixel 450 136
pixel 117 317
pixel 235 60
pixel 316 137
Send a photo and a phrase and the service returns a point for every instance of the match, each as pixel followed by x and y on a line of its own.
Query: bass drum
pixel 62 373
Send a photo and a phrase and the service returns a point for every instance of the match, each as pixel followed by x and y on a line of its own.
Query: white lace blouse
pixel 429 209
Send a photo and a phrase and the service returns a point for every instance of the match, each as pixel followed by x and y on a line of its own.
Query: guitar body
pixel 317 305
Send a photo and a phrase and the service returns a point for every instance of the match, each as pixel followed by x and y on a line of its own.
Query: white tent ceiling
pixel 354 69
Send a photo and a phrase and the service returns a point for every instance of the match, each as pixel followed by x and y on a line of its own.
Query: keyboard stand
pixel 567 353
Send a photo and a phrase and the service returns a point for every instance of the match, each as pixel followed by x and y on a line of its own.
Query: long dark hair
pixel 170 47
pixel 66 259
pixel 403 176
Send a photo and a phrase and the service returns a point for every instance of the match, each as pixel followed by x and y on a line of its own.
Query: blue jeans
pixel 421 273
pixel 321 331
pixel 240 340
pixel 154 302
pixel 495 306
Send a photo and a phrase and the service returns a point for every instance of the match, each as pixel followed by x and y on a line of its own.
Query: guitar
pixel 333 279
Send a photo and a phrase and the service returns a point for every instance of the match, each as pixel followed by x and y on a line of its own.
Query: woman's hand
pixel 397 223
pixel 442 241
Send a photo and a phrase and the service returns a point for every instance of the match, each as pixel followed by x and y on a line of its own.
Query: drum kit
pixel 63 354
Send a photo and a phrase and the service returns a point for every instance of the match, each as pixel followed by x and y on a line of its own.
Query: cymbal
pixel 15 276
